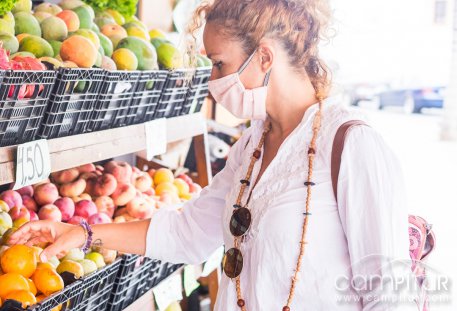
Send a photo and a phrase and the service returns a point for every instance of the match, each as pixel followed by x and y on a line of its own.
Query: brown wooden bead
pixel 240 303
pixel 311 151
pixel 257 154
pixel 286 308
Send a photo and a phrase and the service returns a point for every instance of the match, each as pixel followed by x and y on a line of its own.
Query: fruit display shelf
pixel 72 151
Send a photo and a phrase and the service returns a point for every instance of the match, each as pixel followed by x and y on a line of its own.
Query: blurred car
pixel 363 92
pixel 412 100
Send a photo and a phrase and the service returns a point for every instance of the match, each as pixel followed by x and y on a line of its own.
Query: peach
pixel 99 168
pixel 195 188
pixel 99 218
pixel 122 171
pixel 19 213
pixel 73 189
pixel 86 196
pixel 139 208
pixel 88 175
pixel 105 185
pixel 12 198
pixel 33 216
pixel 86 168
pixel 46 194
pixel 27 190
pixel 66 207
pixel 121 212
pixel 119 219
pixel 70 18
pixel 105 205
pixel 85 208
pixel 123 194
pixel 29 203
pixel 46 181
pixel 75 220
pixel 150 192
pixel 135 174
pixel 143 182
pixel 50 212
pixel 151 172
pixel 90 185
pixel 65 176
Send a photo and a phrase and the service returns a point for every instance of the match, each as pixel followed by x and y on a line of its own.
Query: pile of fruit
pixel 74 35
pixel 115 192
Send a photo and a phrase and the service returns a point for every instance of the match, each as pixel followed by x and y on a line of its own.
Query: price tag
pixel 156 137
pixel 33 163
pixel 190 280
pixel 168 291
pixel 213 262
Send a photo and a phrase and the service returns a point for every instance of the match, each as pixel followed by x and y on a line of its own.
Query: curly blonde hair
pixel 299 25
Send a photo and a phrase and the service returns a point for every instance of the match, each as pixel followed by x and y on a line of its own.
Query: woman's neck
pixel 289 104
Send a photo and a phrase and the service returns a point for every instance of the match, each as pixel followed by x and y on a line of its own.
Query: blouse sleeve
pixel 193 234
pixel 374 216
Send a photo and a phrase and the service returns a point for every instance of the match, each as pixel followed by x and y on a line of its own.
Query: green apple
pixel 88 265
pixel 97 258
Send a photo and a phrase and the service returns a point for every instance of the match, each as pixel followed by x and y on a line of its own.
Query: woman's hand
pixel 62 237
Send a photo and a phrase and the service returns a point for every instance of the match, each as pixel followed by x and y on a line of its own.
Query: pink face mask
pixel 230 92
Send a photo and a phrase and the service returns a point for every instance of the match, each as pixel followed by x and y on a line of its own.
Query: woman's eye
pixel 218 65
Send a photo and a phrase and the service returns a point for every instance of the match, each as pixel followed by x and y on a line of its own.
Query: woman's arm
pixel 373 210
pixel 124 237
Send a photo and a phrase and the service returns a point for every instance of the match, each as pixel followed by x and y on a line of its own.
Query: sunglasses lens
pixel 233 263
pixel 240 221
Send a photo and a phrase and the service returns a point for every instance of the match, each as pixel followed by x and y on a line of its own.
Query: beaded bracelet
pixel 88 233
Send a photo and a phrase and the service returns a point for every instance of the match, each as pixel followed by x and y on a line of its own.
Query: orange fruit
pixel 11 282
pixel 163 175
pixel 183 187
pixel 24 296
pixel 166 187
pixel 47 281
pixel 32 287
pixel 45 265
pixel 40 298
pixel 19 259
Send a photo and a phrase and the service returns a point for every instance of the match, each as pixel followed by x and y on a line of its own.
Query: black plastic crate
pixel 147 95
pixel 20 117
pixel 113 105
pixel 72 102
pixel 96 288
pixel 174 94
pixel 90 293
pixel 164 271
pixel 132 281
pixel 198 91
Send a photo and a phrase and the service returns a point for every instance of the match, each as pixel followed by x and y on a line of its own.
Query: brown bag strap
pixel 337 151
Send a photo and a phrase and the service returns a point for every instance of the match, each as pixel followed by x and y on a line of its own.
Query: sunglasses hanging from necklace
pixel 241 219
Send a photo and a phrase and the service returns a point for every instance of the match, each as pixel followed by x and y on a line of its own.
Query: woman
pixel 297 247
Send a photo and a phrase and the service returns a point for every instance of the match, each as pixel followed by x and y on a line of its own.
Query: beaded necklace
pixel 246 182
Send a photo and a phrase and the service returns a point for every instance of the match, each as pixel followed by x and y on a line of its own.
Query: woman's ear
pixel 266 54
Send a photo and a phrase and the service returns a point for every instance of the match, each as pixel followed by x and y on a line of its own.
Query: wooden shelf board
pixel 67 152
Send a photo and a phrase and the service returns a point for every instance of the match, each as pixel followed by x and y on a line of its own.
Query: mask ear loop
pixel 246 63
pixel 267 78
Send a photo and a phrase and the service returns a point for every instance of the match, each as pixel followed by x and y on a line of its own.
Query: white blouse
pixel 371 219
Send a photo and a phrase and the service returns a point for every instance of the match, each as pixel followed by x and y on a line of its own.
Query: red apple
pixel 46 194
pixel 50 212
pixel 66 207
pixel 29 203
pixel 76 220
pixel 33 216
pixel 99 218
pixel 19 212
pixel 27 190
pixel 85 208
pixel 122 171
pixel 12 198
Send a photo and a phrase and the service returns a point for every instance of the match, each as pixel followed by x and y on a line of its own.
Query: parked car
pixel 412 100
pixel 363 92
